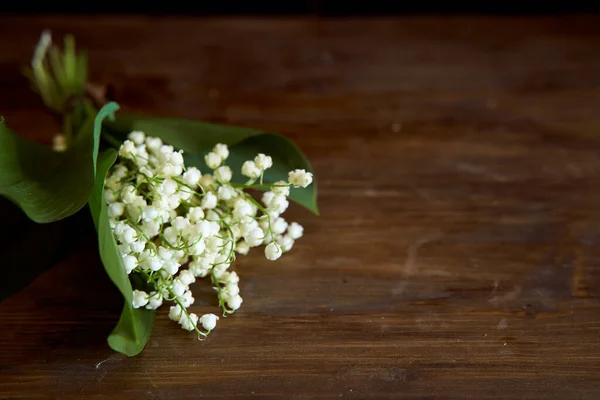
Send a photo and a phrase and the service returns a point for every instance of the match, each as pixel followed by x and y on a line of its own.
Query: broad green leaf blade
pixel 135 325
pixel 46 185
pixel 184 134
pixel 197 138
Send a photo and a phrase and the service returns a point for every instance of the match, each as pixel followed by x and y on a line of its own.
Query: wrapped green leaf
pixel 135 325
pixel 46 185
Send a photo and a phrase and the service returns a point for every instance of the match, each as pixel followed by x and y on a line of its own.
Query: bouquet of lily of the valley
pixel 169 197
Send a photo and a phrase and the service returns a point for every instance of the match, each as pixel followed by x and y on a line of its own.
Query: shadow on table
pixel 58 304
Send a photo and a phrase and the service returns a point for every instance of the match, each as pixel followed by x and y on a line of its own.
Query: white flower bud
pixel 231 290
pixel 110 196
pixel 221 150
pixel 168 187
pixel 248 224
pixel 149 213
pixel 153 143
pixel 250 170
pixel 241 209
pixel 130 262
pixel 171 266
pixel 215 228
pixel 223 174
pixel 178 287
pixel 169 170
pixel 286 242
pixel 197 248
pixel 142 156
pixel 300 178
pixel 189 323
pixel 254 237
pixel 127 149
pixel 178 254
pixel 214 244
pixel 279 226
pixel 140 299
pixel 147 172
pixel 295 230
pixel 203 228
pixel 186 277
pixel 219 270
pixel 209 321
pixel 174 202
pixel 177 158
pixel 207 181
pixel 153 263
pixel 234 302
pixel 137 137
pixel 181 224
pixel 195 214
pixel 138 246
pixel 134 212
pixel 242 247
pixel 199 267
pixel 186 299
pixel 236 231
pixel 278 204
pixel 113 183
pixel 226 193
pixel 273 251
pixel 175 312
pixel 209 201
pixel 230 278
pixel 155 300
pixel 166 149
pixel 192 176
pixel 165 253
pixel 213 160
pixel 171 235
pixel 128 235
pixel 281 188
pixel 128 194
pixel 115 210
pixel 120 227
pixel 212 216
pixel 124 249
pixel 263 162
pixel 150 228
pixel 119 171
pixel 185 193
pixel 268 238
pixel 267 198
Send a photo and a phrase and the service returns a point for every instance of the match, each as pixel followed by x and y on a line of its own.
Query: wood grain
pixel 457 253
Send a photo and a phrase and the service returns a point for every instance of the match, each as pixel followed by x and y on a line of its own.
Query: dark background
pixel 299 7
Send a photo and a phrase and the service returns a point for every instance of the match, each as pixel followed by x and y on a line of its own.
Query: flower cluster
pixel 174 224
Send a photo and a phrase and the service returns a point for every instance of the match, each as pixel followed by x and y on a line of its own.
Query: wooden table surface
pixel 458 251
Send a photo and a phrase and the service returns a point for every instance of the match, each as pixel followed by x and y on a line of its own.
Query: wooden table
pixel 458 251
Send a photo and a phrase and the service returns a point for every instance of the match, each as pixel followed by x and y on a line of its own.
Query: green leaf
pixel 197 138
pixel 46 185
pixel 135 325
